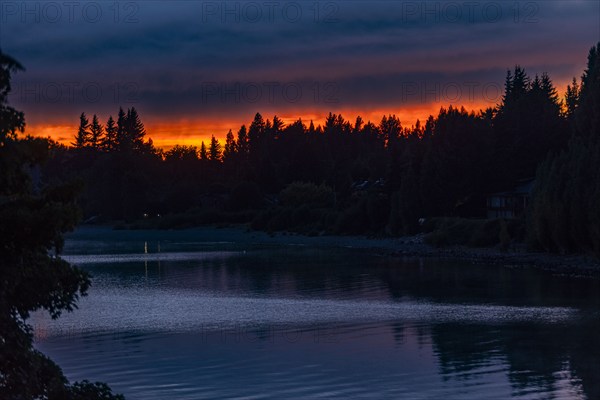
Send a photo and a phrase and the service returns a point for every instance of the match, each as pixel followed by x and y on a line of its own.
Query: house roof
pixel 522 187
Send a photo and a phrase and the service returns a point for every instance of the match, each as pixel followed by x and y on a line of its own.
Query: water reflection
pixel 558 359
pixel 392 360
pixel 219 321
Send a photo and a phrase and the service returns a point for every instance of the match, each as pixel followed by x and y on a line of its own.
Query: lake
pixel 221 314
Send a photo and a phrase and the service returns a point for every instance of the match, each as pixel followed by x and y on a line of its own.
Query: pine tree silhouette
pixel 96 132
pixel 203 152
pixel 109 143
pixel 82 138
pixel 214 150
pixel 230 146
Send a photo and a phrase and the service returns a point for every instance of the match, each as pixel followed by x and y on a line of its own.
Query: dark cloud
pixel 177 58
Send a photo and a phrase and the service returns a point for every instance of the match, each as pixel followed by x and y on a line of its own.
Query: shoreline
pixel 414 246
pixel 408 246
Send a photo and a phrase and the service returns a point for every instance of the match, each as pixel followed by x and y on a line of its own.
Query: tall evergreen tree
pixel 109 142
pixel 572 100
pixel 203 153
pixel 588 113
pixel 214 150
pixel 242 141
pixel 82 138
pixel 134 130
pixel 121 136
pixel 256 132
pixel 230 146
pixel 508 83
pixel 391 129
pixel 358 124
pixel 549 91
pixel 96 132
pixel 278 124
pixel 520 84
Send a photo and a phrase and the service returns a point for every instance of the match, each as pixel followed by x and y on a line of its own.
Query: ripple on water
pixel 184 366
pixel 169 310
pixel 141 257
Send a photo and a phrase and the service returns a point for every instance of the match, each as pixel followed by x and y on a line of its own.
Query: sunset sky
pixel 196 68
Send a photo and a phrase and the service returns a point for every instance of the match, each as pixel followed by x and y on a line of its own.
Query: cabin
pixel 511 203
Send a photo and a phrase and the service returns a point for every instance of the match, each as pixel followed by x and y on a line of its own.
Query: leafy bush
pixel 299 193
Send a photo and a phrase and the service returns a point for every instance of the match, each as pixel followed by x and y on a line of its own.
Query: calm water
pixel 214 315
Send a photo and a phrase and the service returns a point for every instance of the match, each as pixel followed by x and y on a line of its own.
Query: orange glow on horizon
pixel 188 131
pixel 193 132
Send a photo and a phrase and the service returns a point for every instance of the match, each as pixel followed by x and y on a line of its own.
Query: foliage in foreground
pixel 33 219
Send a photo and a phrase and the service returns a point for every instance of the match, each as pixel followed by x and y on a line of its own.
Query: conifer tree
pixel 588 113
pixel 242 141
pixel 121 129
pixel 136 131
pixel 256 132
pixel 278 124
pixel 214 150
pixel 203 152
pixel 96 132
pixel 109 142
pixel 82 138
pixel 230 146
pixel 571 99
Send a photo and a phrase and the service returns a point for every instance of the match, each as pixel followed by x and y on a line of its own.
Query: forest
pixel 360 177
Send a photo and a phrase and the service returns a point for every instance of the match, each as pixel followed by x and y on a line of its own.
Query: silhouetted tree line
pixel 382 177
pixel 127 134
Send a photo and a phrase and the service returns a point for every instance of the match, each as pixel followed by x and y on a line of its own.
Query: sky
pixel 196 68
